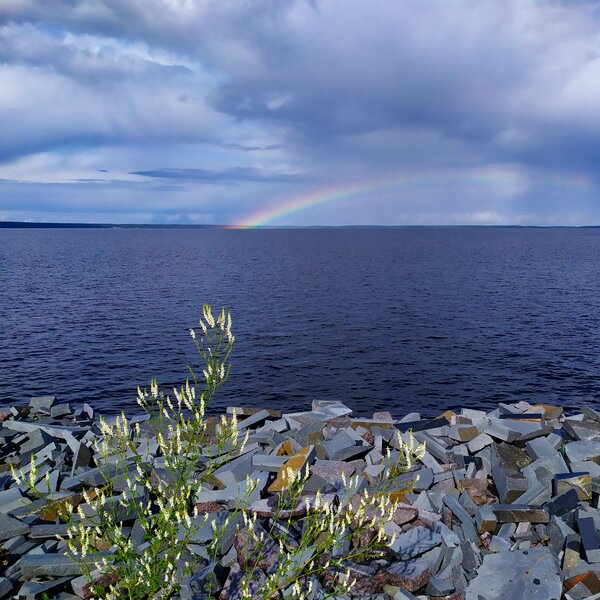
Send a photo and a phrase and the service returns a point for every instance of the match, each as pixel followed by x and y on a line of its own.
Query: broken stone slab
pixel 578 430
pixel 531 575
pixel 296 464
pixel 11 527
pixel 463 517
pixel 47 531
pixel 49 565
pixel 58 431
pixel 506 463
pixel 537 495
pixel 558 531
pixel 498 430
pixel 409 574
pixel 36 440
pixel 343 446
pixel 463 433
pixel 397 593
pixel 334 408
pixel 589 539
pixel 414 542
pixel 486 519
pixel 6 587
pixel 580 481
pixel 33 589
pixel 12 499
pixel 543 469
pixel 498 544
pixel 540 447
pixel 564 503
pixel 438 588
pixel 60 410
pixel 256 419
pixel 571 553
pixel 405 426
pixel 42 402
pixel 268 462
pixel 583 450
pixel 520 513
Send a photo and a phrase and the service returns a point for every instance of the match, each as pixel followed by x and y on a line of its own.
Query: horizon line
pixel 82 225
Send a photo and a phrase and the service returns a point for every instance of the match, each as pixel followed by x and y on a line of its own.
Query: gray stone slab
pixel 342 446
pixel 589 539
pixel 540 448
pixel 583 450
pixel 53 430
pixel 590 413
pixel 333 408
pixel 409 574
pixel 520 513
pixel 414 542
pixel 463 516
pixel 543 469
pixel 43 402
pixel 12 499
pixel 35 440
pixel 32 590
pixel 46 531
pixel 48 565
pixel 499 544
pixel 423 479
pixel 536 495
pixel 256 419
pixel 6 587
pixel 437 588
pixel 517 575
pixel 498 430
pixel 479 443
pixel 411 417
pixel 485 519
pixel 582 430
pixel 564 503
pixel 11 527
pixel 60 410
pixel 507 462
pixel 268 462
pixel 430 462
pixel 558 531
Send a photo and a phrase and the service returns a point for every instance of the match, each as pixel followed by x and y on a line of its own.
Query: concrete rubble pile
pixel 503 505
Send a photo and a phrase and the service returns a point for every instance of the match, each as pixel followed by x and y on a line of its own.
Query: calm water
pixel 401 318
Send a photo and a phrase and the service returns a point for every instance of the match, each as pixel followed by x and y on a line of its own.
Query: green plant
pixel 151 475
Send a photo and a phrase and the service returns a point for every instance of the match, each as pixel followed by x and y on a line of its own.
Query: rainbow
pixel 489 177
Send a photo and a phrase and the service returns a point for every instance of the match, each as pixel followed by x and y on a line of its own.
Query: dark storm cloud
pixel 287 91
pixel 231 174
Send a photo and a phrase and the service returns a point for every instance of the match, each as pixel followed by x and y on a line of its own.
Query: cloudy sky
pixel 301 112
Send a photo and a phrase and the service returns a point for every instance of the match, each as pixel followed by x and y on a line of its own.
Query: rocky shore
pixel 504 505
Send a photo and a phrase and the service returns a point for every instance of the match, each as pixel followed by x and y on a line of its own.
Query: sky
pixel 300 112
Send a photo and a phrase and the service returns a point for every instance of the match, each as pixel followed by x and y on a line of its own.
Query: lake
pixel 400 319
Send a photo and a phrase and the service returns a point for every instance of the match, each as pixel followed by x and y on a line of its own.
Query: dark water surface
pixel 381 318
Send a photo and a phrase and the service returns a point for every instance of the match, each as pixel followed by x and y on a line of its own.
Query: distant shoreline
pixel 43 225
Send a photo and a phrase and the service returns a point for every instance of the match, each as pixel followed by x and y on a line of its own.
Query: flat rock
pixel 520 513
pixel 5 587
pixel 415 541
pixel 532 575
pixel 43 402
pixel 409 574
pixel 53 565
pixel 583 450
pixel 10 527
